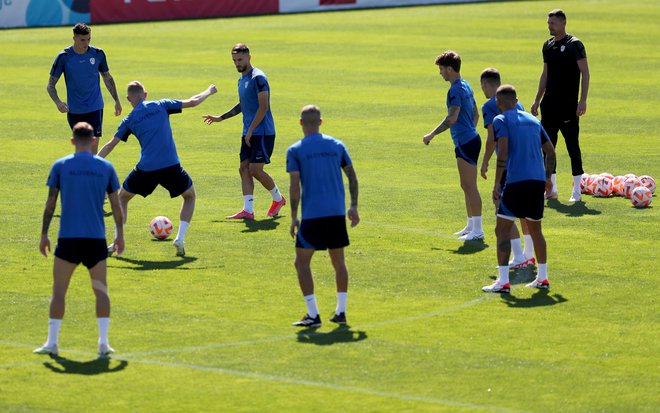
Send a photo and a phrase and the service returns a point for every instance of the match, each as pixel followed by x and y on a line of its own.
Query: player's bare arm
pixel 209 119
pixel 353 191
pixel 475 113
pixel 108 147
pixel 502 154
pixel 452 117
pixel 49 211
pixel 262 97
pixel 550 160
pixel 199 98
pixel 543 81
pixel 584 70
pixel 488 152
pixel 52 92
pixel 118 216
pixel 112 88
pixel 294 200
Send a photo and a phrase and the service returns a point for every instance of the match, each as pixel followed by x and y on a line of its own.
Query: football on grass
pixel 161 227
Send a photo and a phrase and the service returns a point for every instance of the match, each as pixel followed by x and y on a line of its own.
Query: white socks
pixel 341 303
pixel 529 246
pixel 104 324
pixel 275 192
pixel 543 272
pixel 476 225
pixel 516 248
pixel 248 203
pixel 553 178
pixel 503 271
pixel 183 228
pixel 469 224
pixel 53 331
pixel 312 308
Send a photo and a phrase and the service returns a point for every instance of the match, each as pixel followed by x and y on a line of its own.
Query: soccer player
pixel 565 70
pixel 83 179
pixel 521 142
pixel 316 163
pixel 490 81
pixel 461 119
pixel 81 65
pixel 258 138
pixel 159 162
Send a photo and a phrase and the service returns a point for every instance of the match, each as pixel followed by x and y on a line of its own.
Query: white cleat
pixel 46 349
pixel 105 350
pixel 464 231
pixel 541 285
pixel 111 249
pixel 472 236
pixel 178 245
pixel 496 287
pixel 516 264
pixel 575 197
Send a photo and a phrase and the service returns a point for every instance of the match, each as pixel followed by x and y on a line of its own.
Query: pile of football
pixel 639 189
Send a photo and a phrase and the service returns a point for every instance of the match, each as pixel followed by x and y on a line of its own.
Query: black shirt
pixel 563 81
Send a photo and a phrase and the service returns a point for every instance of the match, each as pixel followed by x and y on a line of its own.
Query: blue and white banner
pixel 22 13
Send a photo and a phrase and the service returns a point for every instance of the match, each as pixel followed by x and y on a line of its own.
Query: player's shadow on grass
pixel 341 334
pixel 541 298
pixel 147 265
pixel 267 224
pixel 99 365
pixel 576 209
pixel 468 247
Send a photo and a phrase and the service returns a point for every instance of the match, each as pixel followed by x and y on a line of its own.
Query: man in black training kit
pixel 564 62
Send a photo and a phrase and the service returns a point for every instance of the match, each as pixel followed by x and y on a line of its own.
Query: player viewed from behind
pixel 521 142
pixel 315 163
pixel 565 70
pixel 258 139
pixel 461 119
pixel 83 179
pixel 81 65
pixel 490 81
pixel 159 162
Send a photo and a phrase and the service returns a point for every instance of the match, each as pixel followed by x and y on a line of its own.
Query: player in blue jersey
pixel 316 163
pixel 258 139
pixel 461 119
pixel 81 65
pixel 490 81
pixel 521 143
pixel 159 162
pixel 565 70
pixel 83 179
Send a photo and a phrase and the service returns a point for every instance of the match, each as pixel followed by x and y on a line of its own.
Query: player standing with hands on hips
pixel 258 138
pixel 564 63
pixel 83 179
pixel 315 163
pixel 81 65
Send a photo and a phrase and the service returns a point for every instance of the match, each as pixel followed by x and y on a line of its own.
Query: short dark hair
pixel 491 75
pixel 240 48
pixel 558 13
pixel 81 28
pixel 507 93
pixel 449 59
pixel 83 131
pixel 310 114
pixel 135 87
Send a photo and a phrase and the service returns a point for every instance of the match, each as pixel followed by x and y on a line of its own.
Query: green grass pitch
pixel 211 332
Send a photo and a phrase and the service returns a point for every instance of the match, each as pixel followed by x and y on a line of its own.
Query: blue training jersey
pixel 249 86
pixel 82 179
pixel 319 159
pixel 460 94
pixel 525 137
pixel 149 121
pixel 489 110
pixel 81 74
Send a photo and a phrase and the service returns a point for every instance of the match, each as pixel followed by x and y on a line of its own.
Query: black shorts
pixel 469 151
pixel 93 118
pixel 173 178
pixel 89 251
pixel 322 233
pixel 260 149
pixel 522 199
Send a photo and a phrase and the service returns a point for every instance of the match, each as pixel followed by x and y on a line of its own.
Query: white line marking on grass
pixel 352 389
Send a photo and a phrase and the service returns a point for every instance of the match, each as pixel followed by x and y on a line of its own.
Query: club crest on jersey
pixel 92 60
pixel 561 49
